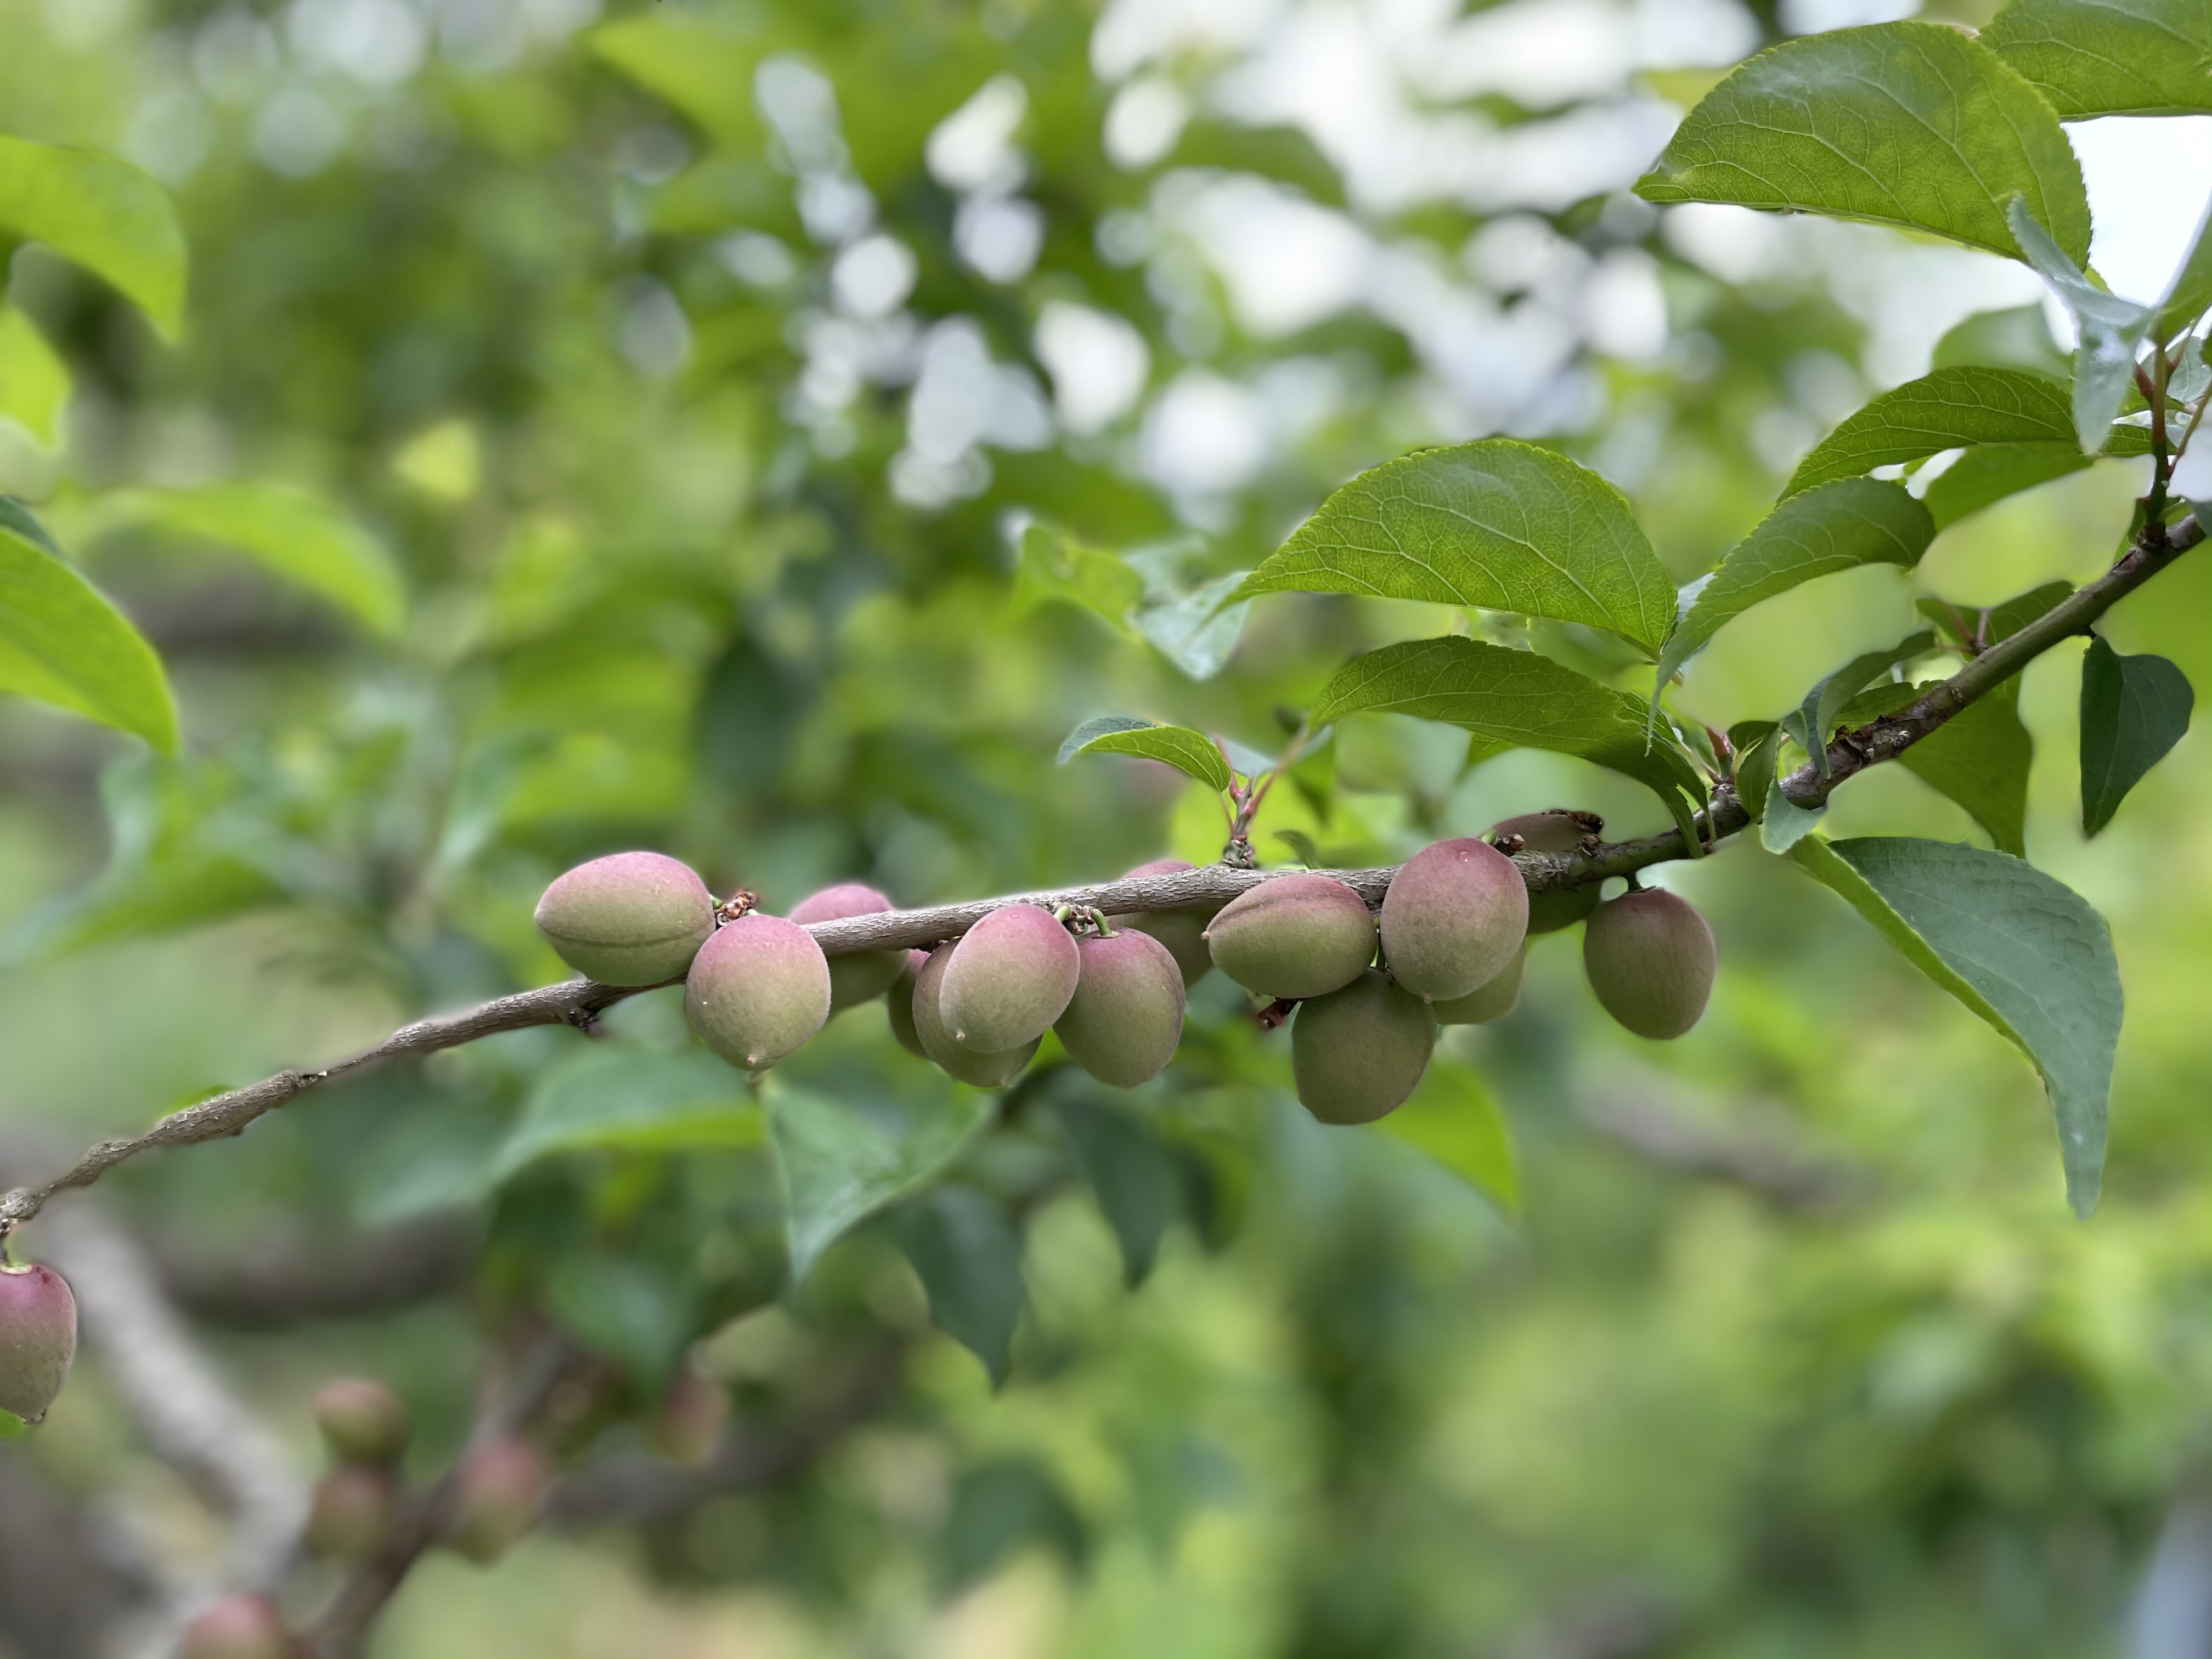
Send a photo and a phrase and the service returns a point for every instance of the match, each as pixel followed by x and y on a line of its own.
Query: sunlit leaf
pixel 62 642
pixel 1988 473
pixel 1454 1118
pixel 1909 123
pixel 1499 524
pixel 2133 710
pixel 702 66
pixel 2017 337
pixel 1191 753
pixel 2110 57
pixel 1945 410
pixel 2021 950
pixel 102 214
pixel 34 381
pixel 968 1254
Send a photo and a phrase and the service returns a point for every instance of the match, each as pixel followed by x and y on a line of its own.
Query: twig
pixel 578 1002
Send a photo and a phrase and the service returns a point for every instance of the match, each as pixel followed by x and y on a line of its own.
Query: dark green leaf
pixel 1191 753
pixel 1758 745
pixel 2112 333
pixel 1814 722
pixel 2111 57
pixel 614 1094
pixel 1980 759
pixel 1835 526
pixel 15 516
pixel 1136 1180
pixel 104 214
pixel 2024 953
pixel 1942 411
pixel 1910 124
pixel 1453 1117
pixel 969 1257
pixel 2018 337
pixel 845 1156
pixel 1517 699
pixel 1990 472
pixel 62 642
pixel 1500 525
pixel 2133 710
pixel 640 1314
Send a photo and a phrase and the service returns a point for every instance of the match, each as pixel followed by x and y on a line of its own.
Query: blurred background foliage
pixel 665 390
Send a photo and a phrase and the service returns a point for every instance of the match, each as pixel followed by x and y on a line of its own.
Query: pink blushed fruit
pixel 628 919
pixel 38 1338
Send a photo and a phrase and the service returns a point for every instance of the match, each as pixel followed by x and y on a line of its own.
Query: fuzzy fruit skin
pixel 858 976
pixel 1650 958
pixel 362 1420
pixel 758 989
pixel 239 1626
pixel 1359 1051
pixel 985 1068
pixel 496 1498
pixel 1126 1017
pixel 1009 977
pixel 1455 913
pixel 628 919
pixel 898 1002
pixel 1298 935
pixel 38 1338
pixel 1182 930
pixel 351 1512
pixel 1551 832
pixel 1493 1000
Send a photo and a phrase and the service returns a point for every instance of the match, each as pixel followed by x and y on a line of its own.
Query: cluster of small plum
pixel 1452 934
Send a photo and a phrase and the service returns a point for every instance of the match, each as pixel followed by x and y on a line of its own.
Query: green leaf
pixel 12 1427
pixel 640 1314
pixel 34 381
pixel 2024 952
pixel 1911 125
pixel 102 214
pixel 1198 630
pixel 1758 746
pixel 1056 566
pixel 292 531
pixel 1191 753
pixel 15 516
pixel 2191 295
pixel 613 1095
pixel 1784 823
pixel 1499 524
pixel 1989 472
pixel 1453 1117
pixel 1517 699
pixel 1814 722
pixel 2133 710
pixel 1834 526
pixel 2018 337
pixel 62 642
pixel 1943 410
pixel 2110 57
pixel 2112 333
pixel 845 1156
pixel 1980 759
pixel 969 1257
pixel 1137 1181
pixel 702 67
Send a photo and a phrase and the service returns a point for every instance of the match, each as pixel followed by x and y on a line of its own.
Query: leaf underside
pixel 1191 753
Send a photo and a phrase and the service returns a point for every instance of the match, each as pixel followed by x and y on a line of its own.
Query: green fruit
pixel 497 1493
pixel 985 1068
pixel 857 975
pixel 363 1421
pixel 239 1626
pixel 1008 978
pixel 1298 935
pixel 1182 930
pixel 628 919
pixel 758 989
pixel 898 1002
pixel 38 1338
pixel 1556 831
pixel 1486 1002
pixel 1650 957
pixel 351 1512
pixel 1126 1017
pixel 1359 1052
pixel 1456 912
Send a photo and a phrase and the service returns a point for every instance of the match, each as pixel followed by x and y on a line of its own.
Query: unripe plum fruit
pixel 628 919
pixel 497 1493
pixel 1182 929
pixel 1551 832
pixel 1456 912
pixel 350 1513
pixel 1126 1017
pixel 1650 957
pixel 1008 978
pixel 362 1420
pixel 38 1338
pixel 239 1626
pixel 1299 935
pixel 983 1067
pixel 1359 1051
pixel 898 1002
pixel 1491 1000
pixel 857 975
pixel 757 990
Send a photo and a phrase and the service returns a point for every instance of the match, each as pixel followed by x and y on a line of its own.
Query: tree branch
pixel 578 1002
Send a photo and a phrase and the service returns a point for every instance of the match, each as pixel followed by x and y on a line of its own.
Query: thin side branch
pixel 578 1002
